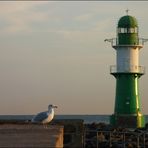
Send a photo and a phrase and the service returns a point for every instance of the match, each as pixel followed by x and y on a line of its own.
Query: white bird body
pixel 50 116
pixel 45 117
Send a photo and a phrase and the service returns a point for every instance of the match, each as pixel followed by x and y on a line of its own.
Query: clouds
pixel 43 16
pixel 20 15
pixel 55 52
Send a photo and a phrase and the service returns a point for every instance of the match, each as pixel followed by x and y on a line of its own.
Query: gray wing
pixel 40 117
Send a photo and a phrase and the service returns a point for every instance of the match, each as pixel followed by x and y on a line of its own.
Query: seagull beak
pixel 55 107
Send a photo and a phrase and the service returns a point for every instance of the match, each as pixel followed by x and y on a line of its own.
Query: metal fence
pixel 114 139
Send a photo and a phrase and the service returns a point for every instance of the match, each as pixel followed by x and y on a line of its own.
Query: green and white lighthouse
pixel 127 111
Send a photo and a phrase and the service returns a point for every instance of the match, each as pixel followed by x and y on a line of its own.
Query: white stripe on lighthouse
pixel 127 59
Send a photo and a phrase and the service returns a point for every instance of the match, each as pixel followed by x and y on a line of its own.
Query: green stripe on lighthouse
pixel 127 94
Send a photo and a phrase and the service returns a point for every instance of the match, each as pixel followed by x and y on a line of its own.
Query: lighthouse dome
pixel 127 22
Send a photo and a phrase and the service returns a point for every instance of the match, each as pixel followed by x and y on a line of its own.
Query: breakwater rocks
pixel 101 135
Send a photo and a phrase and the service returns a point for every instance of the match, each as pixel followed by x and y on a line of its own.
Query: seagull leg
pixel 44 125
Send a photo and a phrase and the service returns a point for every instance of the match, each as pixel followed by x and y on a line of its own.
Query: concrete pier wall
pixel 73 132
pixel 30 135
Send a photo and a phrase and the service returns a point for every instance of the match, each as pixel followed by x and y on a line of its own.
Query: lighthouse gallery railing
pixel 114 42
pixel 127 69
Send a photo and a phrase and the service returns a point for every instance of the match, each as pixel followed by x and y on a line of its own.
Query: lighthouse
pixel 127 72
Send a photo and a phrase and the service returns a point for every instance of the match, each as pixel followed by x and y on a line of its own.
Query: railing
pixel 114 42
pixel 101 139
pixel 127 69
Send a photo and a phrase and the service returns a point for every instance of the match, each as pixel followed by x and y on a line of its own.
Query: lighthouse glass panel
pixel 125 30
pixel 136 30
pixel 131 30
pixel 128 30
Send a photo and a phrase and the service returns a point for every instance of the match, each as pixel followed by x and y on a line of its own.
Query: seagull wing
pixel 40 117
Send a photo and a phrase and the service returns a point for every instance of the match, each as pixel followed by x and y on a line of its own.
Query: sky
pixel 53 52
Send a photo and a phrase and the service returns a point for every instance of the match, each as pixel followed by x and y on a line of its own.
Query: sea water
pixel 86 118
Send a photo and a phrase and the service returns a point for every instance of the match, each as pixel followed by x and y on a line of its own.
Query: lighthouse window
pixel 136 30
pixel 128 30
pixel 131 30
pixel 125 30
pixel 122 30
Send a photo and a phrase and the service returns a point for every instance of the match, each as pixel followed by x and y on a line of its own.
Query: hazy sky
pixel 54 52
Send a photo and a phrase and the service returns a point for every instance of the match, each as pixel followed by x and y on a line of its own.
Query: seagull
pixel 44 117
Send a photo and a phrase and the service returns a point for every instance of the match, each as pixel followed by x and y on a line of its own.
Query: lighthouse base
pixel 128 121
